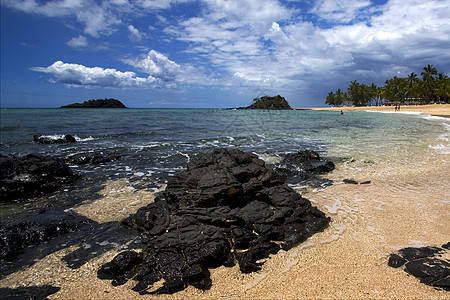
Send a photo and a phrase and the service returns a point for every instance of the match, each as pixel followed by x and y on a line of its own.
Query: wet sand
pixel 441 110
pixel 406 204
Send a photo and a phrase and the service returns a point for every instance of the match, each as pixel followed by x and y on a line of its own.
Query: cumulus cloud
pixel 78 42
pixel 162 73
pixel 75 75
pixel 159 66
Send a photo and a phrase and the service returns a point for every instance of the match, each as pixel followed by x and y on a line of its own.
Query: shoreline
pixel 401 207
pixel 438 110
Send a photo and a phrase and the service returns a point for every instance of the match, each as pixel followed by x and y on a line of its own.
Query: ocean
pixel 160 141
pixel 154 144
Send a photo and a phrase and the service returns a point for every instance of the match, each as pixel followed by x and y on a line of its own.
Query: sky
pixel 212 53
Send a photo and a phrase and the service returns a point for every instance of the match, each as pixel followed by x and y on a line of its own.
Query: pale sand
pixel 442 110
pixel 403 206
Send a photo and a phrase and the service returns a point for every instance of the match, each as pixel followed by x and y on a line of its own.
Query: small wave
pixel 440 148
pixel 430 117
pixel 397 112
pixel 87 139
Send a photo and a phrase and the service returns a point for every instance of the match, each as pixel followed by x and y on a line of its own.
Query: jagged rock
pixel 425 263
pixel 309 161
pixel 92 158
pixel 227 207
pixel 32 175
pixel 49 139
pixel 35 229
pixel 304 166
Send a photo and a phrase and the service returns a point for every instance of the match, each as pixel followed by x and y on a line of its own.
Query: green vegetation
pixel 267 102
pixel 97 103
pixel 433 87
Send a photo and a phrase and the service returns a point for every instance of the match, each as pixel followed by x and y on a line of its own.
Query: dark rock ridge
pixel 425 264
pixel 32 175
pixel 304 166
pixel 267 102
pixel 97 103
pixel 49 139
pixel 227 207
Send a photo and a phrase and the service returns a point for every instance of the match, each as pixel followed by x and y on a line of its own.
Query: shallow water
pixel 156 143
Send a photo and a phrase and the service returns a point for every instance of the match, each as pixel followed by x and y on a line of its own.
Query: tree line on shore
pixel 433 87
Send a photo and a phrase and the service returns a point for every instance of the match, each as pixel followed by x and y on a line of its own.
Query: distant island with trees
pixel 267 102
pixel 97 103
pixel 433 87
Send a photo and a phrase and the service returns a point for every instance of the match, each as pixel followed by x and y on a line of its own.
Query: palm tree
pixel 412 87
pixel 428 81
pixel 442 88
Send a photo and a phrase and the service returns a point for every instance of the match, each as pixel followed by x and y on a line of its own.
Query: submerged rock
pixel 54 139
pixel 227 207
pixel 92 158
pixel 304 166
pixel 425 263
pixel 32 175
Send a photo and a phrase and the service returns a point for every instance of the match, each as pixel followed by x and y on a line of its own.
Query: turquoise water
pixel 160 141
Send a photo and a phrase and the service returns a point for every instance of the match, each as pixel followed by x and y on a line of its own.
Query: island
pixel 266 102
pixel 97 103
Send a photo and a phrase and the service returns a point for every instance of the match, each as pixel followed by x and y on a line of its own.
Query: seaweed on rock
pixel 226 207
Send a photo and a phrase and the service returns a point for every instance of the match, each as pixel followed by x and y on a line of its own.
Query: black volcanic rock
pixel 304 165
pixel 35 229
pixel 227 207
pixel 45 139
pixel 97 103
pixel 425 263
pixel 32 175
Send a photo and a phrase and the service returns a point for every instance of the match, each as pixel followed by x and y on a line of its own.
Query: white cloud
pixel 135 34
pixel 340 11
pixel 78 42
pixel 163 73
pixel 97 18
pixel 75 75
pixel 159 66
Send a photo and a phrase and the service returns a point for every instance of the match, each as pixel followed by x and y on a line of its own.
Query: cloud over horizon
pixel 250 46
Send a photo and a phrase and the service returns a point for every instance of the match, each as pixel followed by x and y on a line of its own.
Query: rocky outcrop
pixel 426 264
pixel 267 102
pixel 227 207
pixel 54 139
pixel 32 175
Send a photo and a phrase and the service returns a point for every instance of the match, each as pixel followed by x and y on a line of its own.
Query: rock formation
pixel 32 175
pixel 425 263
pixel 227 207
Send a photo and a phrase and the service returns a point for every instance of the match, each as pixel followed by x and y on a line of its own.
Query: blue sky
pixel 212 53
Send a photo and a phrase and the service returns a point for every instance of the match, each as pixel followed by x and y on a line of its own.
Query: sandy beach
pixel 406 204
pixel 441 110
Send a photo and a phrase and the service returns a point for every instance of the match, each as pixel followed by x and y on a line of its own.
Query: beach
pixel 405 204
pixel 441 110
